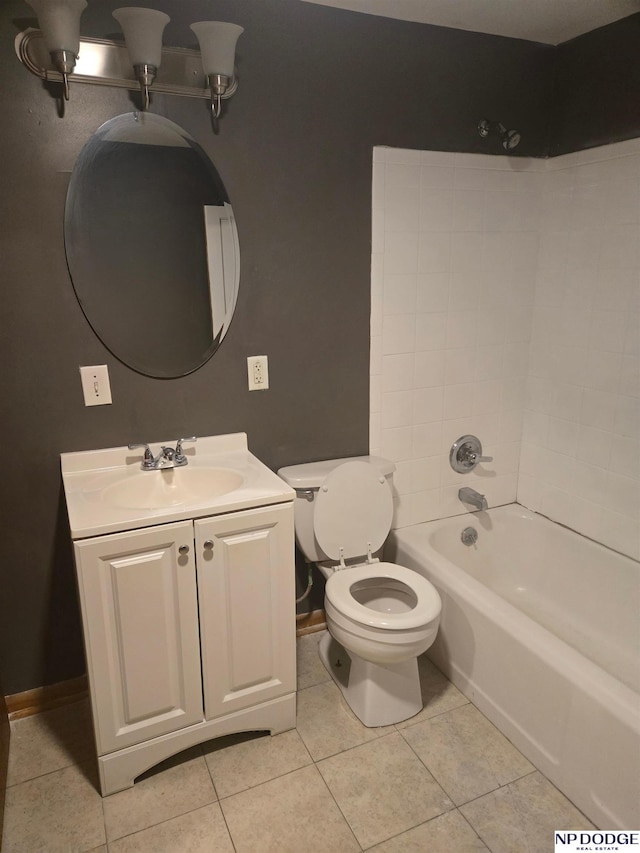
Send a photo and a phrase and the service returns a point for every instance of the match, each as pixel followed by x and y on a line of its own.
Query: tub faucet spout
pixel 470 496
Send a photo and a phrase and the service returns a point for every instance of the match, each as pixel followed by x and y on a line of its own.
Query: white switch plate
pixel 95 385
pixel 258 372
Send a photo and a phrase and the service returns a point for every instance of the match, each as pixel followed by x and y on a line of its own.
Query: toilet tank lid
pixel 310 475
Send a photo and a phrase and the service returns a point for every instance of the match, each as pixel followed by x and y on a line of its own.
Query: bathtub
pixel 540 629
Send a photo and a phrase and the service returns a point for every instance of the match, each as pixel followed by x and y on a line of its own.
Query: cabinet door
pixel 247 607
pixel 140 614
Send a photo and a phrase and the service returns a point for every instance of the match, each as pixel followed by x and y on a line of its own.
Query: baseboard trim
pixel 46 698
pixel 309 623
pixel 66 692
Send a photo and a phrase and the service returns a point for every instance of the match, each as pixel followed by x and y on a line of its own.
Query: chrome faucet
pixel 470 496
pixel 167 458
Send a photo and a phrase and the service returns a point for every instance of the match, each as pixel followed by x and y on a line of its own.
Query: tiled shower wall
pixel 499 285
pixel 455 243
pixel 580 462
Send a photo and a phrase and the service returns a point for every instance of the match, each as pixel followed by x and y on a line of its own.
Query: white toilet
pixel 380 616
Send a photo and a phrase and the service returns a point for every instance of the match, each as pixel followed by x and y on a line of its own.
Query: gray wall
pixel 597 88
pixel 319 88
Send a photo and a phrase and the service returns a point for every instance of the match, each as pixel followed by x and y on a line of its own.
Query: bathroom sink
pixel 107 492
pixel 171 487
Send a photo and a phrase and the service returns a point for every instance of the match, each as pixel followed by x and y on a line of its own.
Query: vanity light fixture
pixel 60 26
pixel 218 48
pixel 143 30
pixel 56 49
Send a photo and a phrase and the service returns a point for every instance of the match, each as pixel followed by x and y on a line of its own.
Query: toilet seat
pixel 353 511
pixel 427 607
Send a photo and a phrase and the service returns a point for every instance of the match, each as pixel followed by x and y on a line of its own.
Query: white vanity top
pixel 107 492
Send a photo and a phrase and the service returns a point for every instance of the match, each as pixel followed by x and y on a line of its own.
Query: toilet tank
pixel 306 479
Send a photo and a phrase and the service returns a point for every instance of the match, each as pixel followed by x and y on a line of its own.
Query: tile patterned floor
pixel 445 781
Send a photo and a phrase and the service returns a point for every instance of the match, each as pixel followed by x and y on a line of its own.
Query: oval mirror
pixel 152 245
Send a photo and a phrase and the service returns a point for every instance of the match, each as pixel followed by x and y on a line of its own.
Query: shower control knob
pixel 466 453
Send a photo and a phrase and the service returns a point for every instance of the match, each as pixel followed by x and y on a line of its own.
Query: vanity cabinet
pixel 189 634
pixel 139 606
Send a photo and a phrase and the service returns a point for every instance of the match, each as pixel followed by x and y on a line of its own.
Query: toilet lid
pixel 341 584
pixel 353 511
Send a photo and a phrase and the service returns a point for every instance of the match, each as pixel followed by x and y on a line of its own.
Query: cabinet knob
pixel 183 549
pixel 208 544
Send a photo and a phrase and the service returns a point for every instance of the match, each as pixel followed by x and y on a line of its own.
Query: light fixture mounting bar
pixel 107 63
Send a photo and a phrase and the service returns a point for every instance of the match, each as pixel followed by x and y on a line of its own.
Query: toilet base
pixel 378 695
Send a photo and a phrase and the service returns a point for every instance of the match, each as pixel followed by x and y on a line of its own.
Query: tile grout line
pixel 159 823
pixel 324 782
pixel 218 799
pixel 428 769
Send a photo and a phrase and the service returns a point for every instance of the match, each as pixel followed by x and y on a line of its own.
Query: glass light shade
pixel 142 30
pixel 217 45
pixel 59 21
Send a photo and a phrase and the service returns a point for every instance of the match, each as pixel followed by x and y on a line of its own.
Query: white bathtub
pixel 540 629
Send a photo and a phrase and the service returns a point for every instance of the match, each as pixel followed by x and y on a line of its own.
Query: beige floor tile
pixel 61 811
pixel 244 761
pixel 201 831
pixel 382 789
pixel 290 814
pixel 327 725
pixel 449 833
pixel 177 786
pixel 311 670
pixel 50 741
pixel 521 817
pixel 467 754
pixel 438 693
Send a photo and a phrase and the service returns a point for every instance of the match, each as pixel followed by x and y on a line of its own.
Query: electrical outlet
pixel 95 385
pixel 258 372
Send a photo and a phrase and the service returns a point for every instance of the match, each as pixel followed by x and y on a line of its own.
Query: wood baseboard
pixel 308 623
pixel 46 698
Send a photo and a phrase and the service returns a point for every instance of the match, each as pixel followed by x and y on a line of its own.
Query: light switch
pixel 95 385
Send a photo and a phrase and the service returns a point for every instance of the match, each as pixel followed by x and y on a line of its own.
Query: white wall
pixel 458 284
pixel 580 462
pixel 455 244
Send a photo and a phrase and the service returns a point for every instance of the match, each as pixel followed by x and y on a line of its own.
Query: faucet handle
pixel 180 457
pixel 147 450
pixel 466 453
pixel 148 462
pixel 474 458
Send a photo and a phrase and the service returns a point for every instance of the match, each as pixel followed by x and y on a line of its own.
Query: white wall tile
pixel 395 444
pixel 434 251
pixel 425 474
pixel 431 331
pixel 397 372
pixel 436 210
pixel 428 405
pixel 436 177
pixel 399 293
pixel 396 409
pixel 510 283
pixel 458 401
pixel 398 333
pixel 461 329
pixel 429 368
pixel 400 252
pixel 432 292
pixel 426 439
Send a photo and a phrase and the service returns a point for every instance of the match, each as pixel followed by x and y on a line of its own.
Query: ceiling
pixel 548 21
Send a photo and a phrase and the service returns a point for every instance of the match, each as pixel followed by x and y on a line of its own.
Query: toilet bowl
pixel 380 616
